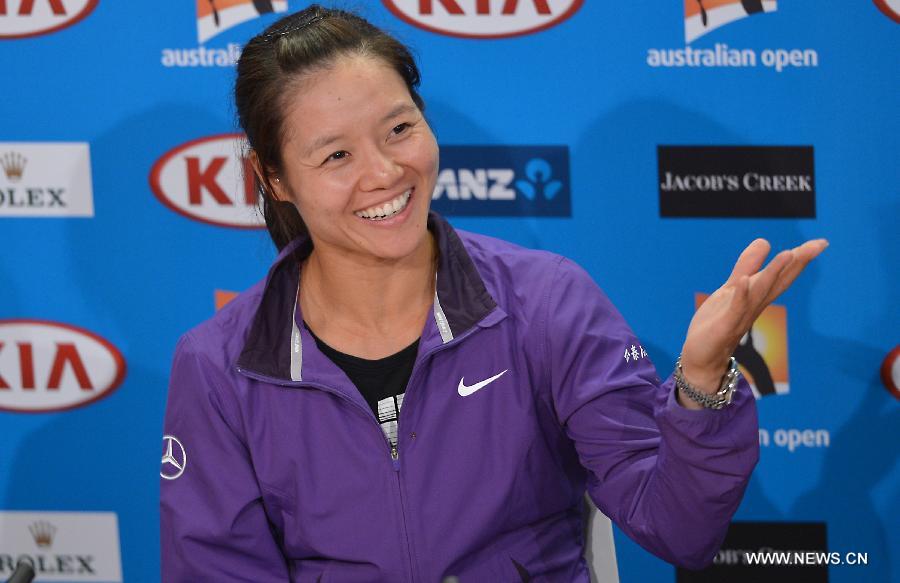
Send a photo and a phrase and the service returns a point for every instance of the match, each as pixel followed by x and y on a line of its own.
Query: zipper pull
pixel 395 456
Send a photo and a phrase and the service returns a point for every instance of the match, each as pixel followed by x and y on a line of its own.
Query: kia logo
pixel 891 8
pixel 208 180
pixel 890 372
pixel 25 18
pixel 50 366
pixel 483 18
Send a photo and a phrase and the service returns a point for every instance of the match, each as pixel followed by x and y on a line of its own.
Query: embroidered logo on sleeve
pixel 635 353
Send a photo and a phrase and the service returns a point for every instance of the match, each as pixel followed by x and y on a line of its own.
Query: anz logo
pixel 503 181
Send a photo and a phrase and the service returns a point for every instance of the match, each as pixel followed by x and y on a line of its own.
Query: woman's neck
pixel 367 308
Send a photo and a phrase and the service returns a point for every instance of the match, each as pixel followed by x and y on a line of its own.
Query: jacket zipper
pixel 395 453
pixel 394 449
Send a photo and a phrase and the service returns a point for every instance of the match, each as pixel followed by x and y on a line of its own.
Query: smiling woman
pixel 520 385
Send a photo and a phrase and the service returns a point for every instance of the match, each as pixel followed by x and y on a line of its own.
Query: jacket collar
pixel 274 344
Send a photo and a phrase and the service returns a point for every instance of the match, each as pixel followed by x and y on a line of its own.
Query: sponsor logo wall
pixel 763 352
pixel 45 180
pixel 215 17
pixel 648 144
pixel 735 560
pixel 208 180
pixel 61 546
pixel 503 180
pixel 706 17
pixel 890 372
pixel 891 8
pixel 51 366
pixel 29 18
pixel 483 19
pixel 736 181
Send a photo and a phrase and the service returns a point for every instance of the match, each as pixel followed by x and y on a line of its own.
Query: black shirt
pixel 381 382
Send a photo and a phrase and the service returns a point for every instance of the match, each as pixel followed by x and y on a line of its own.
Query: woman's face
pixel 360 162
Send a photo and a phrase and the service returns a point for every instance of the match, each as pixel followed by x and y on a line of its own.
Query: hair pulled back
pixel 272 61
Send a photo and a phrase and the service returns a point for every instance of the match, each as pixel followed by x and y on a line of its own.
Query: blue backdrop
pixel 139 274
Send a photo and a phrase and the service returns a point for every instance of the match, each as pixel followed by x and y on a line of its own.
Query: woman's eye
pixel 337 155
pixel 399 129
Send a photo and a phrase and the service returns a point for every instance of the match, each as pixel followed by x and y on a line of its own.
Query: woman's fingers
pixel 802 255
pixel 750 260
pixel 764 285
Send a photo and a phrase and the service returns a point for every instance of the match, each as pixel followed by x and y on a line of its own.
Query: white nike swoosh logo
pixel 465 391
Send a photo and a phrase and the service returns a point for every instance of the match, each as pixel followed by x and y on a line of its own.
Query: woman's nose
pixel 380 170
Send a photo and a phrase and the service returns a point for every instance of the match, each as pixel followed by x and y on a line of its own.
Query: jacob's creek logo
pixel 503 181
pixel 49 366
pixel 213 18
pixel 209 180
pixel 45 179
pixel 702 17
pixel 25 18
pixel 762 353
pixel 483 18
pixel 61 546
pixel 736 181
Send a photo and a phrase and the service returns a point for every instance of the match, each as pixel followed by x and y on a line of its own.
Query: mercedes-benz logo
pixel 174 459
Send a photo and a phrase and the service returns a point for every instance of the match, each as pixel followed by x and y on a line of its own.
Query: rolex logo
pixel 13 165
pixel 42 532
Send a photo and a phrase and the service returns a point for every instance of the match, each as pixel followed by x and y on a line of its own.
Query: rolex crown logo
pixel 13 165
pixel 42 532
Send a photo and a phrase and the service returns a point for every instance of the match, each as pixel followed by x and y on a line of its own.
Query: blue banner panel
pixel 503 181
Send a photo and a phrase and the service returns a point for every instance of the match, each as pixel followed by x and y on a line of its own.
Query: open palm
pixel 730 311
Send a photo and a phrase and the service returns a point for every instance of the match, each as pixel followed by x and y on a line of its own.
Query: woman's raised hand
pixel 730 311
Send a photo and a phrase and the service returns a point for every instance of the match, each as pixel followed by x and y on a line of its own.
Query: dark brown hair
pixel 273 61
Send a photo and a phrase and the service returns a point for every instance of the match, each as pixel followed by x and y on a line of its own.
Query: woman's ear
pixel 271 184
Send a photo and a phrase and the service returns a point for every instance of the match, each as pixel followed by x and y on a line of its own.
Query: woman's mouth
pixel 387 210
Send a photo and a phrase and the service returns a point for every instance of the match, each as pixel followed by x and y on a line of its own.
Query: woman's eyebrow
pixel 398 109
pixel 323 141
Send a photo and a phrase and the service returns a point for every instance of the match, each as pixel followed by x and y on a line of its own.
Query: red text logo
pixel 50 366
pixel 483 18
pixel 25 18
pixel 209 180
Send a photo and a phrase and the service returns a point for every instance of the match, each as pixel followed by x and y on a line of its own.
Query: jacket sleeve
pixel 671 478
pixel 212 523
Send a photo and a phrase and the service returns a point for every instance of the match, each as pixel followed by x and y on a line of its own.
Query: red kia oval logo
pixel 891 8
pixel 209 180
pixel 25 18
pixel 483 18
pixel 890 372
pixel 49 366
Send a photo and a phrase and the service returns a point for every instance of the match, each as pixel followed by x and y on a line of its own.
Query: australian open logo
pixel 217 16
pixel 213 18
pixel 703 17
pixel 503 181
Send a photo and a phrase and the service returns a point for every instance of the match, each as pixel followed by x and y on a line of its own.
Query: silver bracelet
pixel 721 398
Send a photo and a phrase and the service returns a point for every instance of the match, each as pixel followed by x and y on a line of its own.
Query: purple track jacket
pixel 286 475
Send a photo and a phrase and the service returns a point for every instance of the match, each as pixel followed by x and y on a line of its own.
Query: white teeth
pixel 387 210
